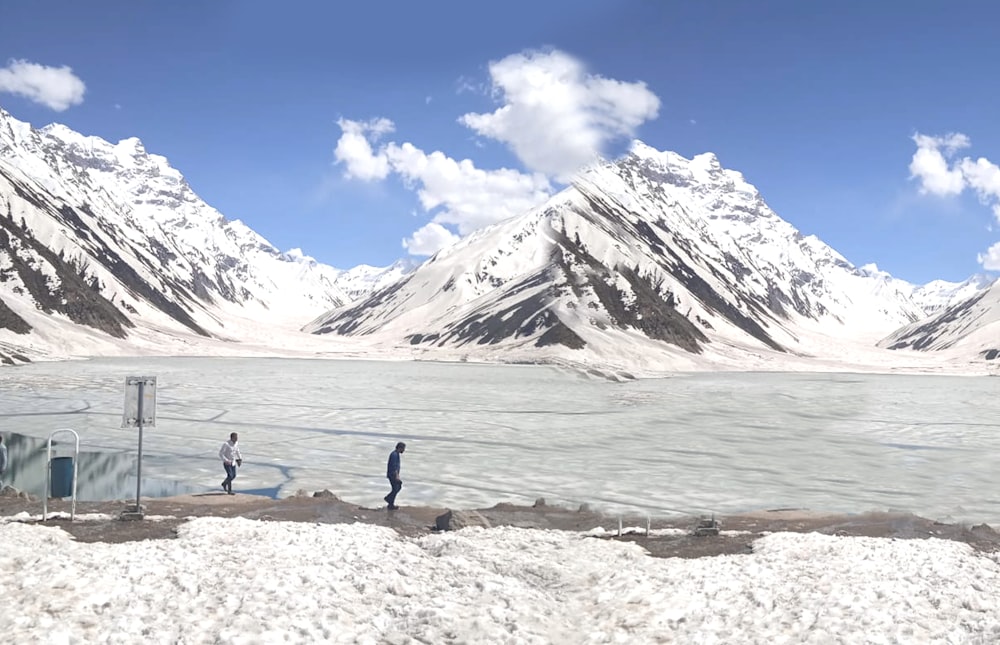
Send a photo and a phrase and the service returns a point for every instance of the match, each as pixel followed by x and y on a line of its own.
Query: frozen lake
pixel 481 434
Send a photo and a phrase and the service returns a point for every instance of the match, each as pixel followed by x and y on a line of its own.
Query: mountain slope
pixel 973 323
pixel 651 253
pixel 108 237
pixel 937 295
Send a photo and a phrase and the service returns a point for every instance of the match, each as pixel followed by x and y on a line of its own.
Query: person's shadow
pixel 263 492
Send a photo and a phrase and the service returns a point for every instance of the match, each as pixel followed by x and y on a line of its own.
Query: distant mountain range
pixel 644 254
pixel 972 323
pixel 655 258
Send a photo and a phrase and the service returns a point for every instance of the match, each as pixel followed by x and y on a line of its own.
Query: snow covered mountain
pixel 107 237
pixel 972 323
pixel 941 294
pixel 651 253
pixel 653 260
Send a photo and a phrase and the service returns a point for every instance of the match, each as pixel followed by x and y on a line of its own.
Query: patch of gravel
pixel 164 515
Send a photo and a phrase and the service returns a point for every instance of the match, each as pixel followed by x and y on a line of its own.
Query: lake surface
pixel 481 434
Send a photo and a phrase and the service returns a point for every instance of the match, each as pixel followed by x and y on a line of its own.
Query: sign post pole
pixel 138 462
pixel 140 411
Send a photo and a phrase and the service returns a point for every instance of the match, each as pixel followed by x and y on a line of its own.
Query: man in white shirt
pixel 230 455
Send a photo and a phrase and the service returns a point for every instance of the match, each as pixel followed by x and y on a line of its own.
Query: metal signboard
pixel 140 402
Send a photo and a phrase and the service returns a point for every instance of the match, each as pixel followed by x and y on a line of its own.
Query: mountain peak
pixel 132 143
pixel 707 161
pixel 703 169
pixel 646 152
pixel 91 145
pixel 59 130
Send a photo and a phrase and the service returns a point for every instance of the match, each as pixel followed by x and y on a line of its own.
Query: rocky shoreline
pixel 669 537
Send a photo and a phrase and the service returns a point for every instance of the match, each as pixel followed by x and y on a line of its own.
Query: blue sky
pixel 337 128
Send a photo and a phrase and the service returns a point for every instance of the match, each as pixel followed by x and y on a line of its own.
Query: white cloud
pixel 930 165
pixel 555 116
pixel 429 239
pixel 466 85
pixel 469 197
pixel 941 174
pixel 463 196
pixel 54 87
pixel 983 176
pixel 991 259
pixel 354 148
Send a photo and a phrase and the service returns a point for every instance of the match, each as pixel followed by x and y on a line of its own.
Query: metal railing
pixel 48 473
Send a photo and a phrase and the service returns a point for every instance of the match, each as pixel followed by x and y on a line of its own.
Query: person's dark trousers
pixel 391 497
pixel 230 476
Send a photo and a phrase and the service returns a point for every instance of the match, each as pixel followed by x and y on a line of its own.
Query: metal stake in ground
pixel 140 411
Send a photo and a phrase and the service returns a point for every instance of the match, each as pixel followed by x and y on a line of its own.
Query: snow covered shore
pixel 244 581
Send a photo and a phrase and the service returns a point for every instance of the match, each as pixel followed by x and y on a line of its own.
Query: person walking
pixel 230 455
pixel 3 460
pixel 392 472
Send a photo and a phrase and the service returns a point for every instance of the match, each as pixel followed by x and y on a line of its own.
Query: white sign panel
pixel 140 397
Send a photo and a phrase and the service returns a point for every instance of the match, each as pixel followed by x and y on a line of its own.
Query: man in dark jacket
pixel 392 472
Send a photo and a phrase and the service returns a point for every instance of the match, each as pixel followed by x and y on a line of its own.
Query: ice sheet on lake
pixel 480 434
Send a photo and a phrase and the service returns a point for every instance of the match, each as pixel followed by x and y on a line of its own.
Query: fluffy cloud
pixel 983 176
pixel 555 116
pixel 429 239
pixel 930 164
pixel 354 148
pixel 54 87
pixel 940 173
pixel 468 197
pixel 461 194
pixel 991 259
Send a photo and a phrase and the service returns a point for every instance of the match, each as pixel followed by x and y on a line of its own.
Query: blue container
pixel 62 477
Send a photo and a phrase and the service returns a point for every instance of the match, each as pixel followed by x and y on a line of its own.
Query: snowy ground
pixel 243 581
